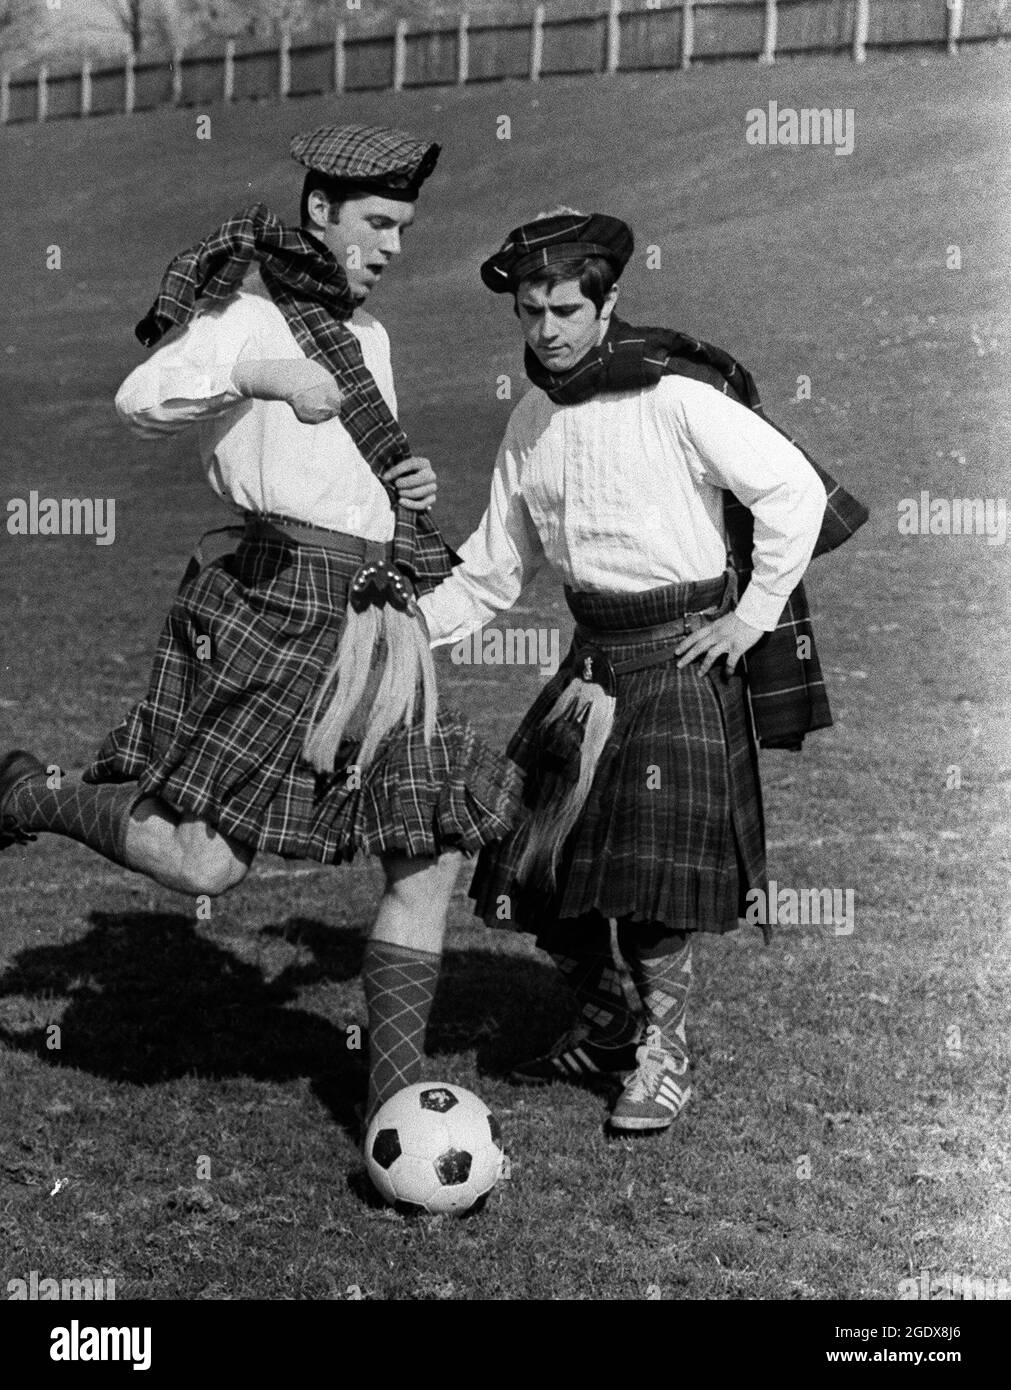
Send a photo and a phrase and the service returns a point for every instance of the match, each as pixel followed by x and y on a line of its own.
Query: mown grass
pixel 850 1118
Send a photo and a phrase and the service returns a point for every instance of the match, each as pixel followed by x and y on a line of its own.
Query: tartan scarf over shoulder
pixel 310 288
pixel 787 690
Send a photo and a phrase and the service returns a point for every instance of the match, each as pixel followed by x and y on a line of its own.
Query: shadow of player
pixel 150 999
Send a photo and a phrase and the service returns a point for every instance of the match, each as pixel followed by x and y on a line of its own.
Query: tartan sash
pixel 310 288
pixel 787 690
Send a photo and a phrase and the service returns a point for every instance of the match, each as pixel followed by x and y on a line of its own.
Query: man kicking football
pixel 292 703
pixel 680 522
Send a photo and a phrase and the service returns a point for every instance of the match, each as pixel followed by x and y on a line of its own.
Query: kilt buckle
pixel 380 583
pixel 695 621
pixel 593 666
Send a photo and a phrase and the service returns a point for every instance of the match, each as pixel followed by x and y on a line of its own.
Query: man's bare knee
pixel 210 863
pixel 209 879
pixel 214 879
pixel 420 881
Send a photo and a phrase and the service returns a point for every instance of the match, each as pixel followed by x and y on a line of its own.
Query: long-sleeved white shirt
pixel 623 493
pixel 257 454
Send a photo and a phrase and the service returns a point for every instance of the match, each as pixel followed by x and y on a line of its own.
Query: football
pixel 435 1148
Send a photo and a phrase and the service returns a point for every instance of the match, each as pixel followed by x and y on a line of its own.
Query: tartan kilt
pixel 673 828
pixel 220 731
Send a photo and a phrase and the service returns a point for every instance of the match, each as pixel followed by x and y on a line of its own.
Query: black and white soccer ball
pixel 434 1147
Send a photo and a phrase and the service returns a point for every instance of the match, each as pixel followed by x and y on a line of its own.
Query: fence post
pixel 129 83
pixel 537 44
pixel 687 33
pixel 955 11
pixel 768 53
pixel 42 101
pixel 5 97
pixel 228 83
pixel 463 49
pixel 860 27
pixel 86 87
pixel 284 63
pixel 339 59
pixel 177 77
pixel 399 54
pixel 613 60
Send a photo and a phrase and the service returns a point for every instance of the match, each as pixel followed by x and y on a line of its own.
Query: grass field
pixel 850 1124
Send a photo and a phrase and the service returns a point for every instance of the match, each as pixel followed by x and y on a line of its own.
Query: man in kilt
pixel 681 521
pixel 292 703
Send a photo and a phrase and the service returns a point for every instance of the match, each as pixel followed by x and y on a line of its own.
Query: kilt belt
pixel 579 724
pixel 272 526
pixel 589 644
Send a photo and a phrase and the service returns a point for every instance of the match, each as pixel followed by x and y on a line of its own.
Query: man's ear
pixel 607 308
pixel 318 208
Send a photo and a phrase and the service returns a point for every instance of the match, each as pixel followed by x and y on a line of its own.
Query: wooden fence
pixel 353 59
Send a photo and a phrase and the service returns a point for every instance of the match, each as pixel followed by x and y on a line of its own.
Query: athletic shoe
pixel 17 767
pixel 576 1057
pixel 655 1095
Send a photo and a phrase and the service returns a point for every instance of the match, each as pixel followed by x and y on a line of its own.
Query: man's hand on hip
pixel 415 483
pixel 727 636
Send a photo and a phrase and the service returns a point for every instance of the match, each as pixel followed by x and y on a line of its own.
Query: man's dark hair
pixel 336 190
pixel 596 276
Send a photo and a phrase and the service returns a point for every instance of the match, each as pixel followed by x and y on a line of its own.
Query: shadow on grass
pixel 150 1000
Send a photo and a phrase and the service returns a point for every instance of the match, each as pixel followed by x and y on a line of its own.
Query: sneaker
pixel 576 1057
pixel 656 1094
pixel 17 767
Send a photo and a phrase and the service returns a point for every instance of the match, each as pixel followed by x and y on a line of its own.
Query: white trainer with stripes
pixel 656 1092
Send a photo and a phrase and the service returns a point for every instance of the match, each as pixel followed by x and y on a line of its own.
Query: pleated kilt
pixel 673 829
pixel 220 732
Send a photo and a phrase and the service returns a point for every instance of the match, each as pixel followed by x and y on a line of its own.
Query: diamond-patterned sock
pixel 96 816
pixel 661 964
pixel 581 949
pixel 399 989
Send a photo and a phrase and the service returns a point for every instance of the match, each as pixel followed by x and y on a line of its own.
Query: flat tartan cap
pixel 549 240
pixel 387 162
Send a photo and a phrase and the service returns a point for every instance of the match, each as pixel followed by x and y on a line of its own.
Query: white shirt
pixel 257 455
pixel 623 493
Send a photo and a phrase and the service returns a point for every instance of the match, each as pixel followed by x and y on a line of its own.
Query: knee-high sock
pixel 399 989
pixel 661 964
pixel 96 816
pixel 581 949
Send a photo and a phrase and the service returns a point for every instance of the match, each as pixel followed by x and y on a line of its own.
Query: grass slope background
pixel 227 1038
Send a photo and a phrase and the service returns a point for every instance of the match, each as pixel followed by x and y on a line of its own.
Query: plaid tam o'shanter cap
pixel 547 241
pixel 387 162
